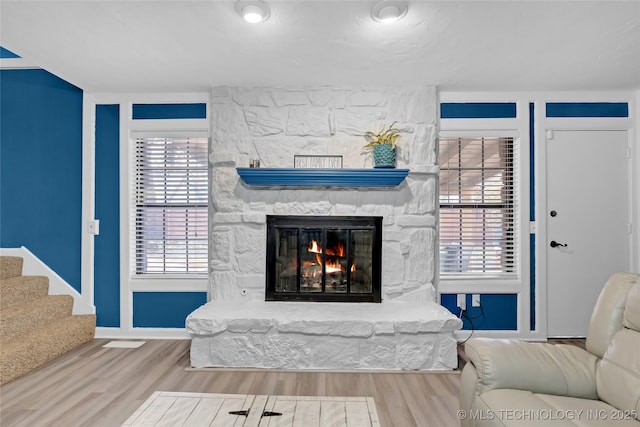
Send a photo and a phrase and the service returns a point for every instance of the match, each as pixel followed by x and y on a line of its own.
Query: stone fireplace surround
pixel 237 328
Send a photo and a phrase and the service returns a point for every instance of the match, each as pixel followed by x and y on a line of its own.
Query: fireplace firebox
pixel 324 258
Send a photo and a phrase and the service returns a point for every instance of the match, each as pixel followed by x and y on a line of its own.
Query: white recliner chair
pixel 512 383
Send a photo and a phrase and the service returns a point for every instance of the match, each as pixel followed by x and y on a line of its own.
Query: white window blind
pixel 478 207
pixel 170 206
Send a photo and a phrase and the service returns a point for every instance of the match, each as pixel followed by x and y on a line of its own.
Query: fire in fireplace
pixel 323 258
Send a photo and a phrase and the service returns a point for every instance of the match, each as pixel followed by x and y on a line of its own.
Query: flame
pixel 314 247
pixel 338 250
pixel 331 266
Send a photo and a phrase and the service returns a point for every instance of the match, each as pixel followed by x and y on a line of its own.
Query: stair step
pixel 25 353
pixel 21 289
pixel 10 266
pixel 22 318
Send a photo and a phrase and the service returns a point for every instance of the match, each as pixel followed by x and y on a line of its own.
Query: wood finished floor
pixel 96 386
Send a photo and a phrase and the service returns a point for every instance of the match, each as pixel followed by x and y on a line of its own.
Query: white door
pixel 588 211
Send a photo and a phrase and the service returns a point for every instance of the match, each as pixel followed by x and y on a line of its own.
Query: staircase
pixel 35 327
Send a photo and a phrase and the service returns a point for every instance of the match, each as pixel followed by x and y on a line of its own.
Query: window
pixel 478 211
pixel 170 208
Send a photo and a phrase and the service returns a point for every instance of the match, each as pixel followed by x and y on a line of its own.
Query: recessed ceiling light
pixel 253 11
pixel 389 11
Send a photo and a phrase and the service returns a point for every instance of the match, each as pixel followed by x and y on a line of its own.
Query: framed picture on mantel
pixel 319 161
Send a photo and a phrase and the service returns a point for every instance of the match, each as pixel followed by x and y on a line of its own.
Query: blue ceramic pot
pixel 384 156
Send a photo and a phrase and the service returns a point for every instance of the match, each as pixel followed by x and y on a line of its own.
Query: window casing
pixel 478 200
pixel 170 206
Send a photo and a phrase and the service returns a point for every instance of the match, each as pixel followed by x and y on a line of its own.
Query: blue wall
pixel 477 110
pixel 587 109
pixel 41 168
pixel 41 190
pixel 169 111
pixel 7 54
pixel 165 309
pixel 496 311
pixel 149 309
pixel 107 243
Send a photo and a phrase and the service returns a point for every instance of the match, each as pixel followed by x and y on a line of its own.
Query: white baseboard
pixel 143 333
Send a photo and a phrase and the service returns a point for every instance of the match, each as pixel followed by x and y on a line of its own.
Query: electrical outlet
pixel 462 301
pixel 475 300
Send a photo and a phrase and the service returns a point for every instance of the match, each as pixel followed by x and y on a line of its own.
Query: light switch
pixel 94 227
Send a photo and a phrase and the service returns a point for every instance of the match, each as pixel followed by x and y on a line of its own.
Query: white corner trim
pixel 17 64
pixel 87 242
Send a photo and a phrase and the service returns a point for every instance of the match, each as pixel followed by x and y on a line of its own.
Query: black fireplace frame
pixel 324 222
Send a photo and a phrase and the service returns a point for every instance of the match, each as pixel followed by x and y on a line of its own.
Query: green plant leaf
pixel 387 136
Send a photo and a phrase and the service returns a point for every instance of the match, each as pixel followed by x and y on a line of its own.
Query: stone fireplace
pixel 408 329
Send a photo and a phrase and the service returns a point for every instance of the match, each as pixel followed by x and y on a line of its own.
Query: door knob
pixel 555 244
pixel 553 213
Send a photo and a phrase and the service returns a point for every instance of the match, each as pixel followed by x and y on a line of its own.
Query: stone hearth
pixel 408 330
pixel 336 336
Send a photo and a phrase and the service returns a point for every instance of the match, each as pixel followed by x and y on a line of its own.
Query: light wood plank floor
pixel 96 386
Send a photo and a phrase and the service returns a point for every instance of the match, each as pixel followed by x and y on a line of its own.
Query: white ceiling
pixel 188 45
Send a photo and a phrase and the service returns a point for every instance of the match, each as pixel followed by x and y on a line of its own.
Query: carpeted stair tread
pixel 20 355
pixel 21 289
pixel 10 266
pixel 21 318
pixel 35 327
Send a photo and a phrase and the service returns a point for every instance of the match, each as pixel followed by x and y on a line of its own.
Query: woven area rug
pixel 165 408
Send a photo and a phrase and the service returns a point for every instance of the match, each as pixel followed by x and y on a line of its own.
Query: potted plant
pixel 383 145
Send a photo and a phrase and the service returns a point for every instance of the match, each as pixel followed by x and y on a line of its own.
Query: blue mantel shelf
pixel 298 177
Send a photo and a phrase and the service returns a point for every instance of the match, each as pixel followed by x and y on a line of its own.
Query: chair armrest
pixel 563 370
